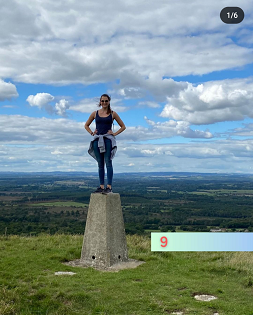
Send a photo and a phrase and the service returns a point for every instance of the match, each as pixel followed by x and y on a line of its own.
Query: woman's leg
pixel 108 161
pixel 101 163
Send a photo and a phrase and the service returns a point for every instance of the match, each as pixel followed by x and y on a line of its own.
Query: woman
pixel 103 146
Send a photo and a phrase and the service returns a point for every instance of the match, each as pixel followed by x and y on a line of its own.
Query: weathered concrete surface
pixel 130 264
pixel 104 241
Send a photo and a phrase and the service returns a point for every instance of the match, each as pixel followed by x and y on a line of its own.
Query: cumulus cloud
pixel 7 90
pixel 177 128
pixel 44 158
pixel 215 156
pixel 61 107
pixel 222 149
pixel 26 130
pixel 134 85
pixel 216 101
pixel 40 99
pixel 64 46
pixel 75 20
pixel 23 21
pixel 245 131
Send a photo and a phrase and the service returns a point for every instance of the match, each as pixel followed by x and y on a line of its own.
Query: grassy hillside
pixel 165 284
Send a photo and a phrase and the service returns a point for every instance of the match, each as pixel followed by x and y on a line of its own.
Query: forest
pixel 34 203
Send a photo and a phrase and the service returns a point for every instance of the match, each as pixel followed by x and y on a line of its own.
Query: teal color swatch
pixel 201 242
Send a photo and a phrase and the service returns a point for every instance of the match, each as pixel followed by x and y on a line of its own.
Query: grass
pixel 166 283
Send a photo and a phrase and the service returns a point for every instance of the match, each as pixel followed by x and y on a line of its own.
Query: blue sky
pixel 179 78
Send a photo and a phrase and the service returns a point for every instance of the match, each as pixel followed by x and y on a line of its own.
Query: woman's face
pixel 104 101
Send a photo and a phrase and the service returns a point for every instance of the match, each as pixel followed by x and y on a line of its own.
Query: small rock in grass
pixel 61 273
pixel 205 297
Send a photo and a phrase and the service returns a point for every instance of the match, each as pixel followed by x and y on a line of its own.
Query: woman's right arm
pixel 88 122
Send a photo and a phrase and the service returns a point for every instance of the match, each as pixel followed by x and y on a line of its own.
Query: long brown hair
pixel 109 107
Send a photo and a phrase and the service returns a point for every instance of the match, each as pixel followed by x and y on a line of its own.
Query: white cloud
pixel 89 105
pixel 61 144
pixel 61 107
pixel 56 152
pixel 7 90
pixel 149 104
pixel 22 20
pixel 65 46
pixel 40 99
pixel 221 149
pixel 75 20
pixel 216 156
pixel 216 101
pixel 245 35
pixel 176 128
pixel 246 131
pixel 27 130
pixel 154 84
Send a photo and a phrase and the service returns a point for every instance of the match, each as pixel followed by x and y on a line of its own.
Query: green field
pixel 161 190
pixel 166 283
pixel 61 204
pixel 212 192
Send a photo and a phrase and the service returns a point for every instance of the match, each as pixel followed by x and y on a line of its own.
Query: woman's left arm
pixel 121 124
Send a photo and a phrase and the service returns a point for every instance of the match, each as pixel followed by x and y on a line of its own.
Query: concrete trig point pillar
pixel 104 242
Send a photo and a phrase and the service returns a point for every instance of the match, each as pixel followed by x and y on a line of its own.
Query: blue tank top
pixel 103 124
